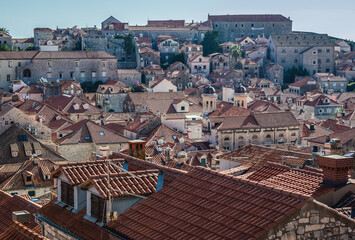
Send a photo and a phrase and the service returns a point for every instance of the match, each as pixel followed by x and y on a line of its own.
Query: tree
pixel 290 74
pixel 128 43
pixel 90 87
pixel 4 47
pixel 236 52
pixel 177 57
pixel 4 30
pixel 210 43
pixel 30 48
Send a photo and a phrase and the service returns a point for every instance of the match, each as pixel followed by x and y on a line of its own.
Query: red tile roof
pixel 80 172
pixel 166 23
pixel 334 126
pixel 302 82
pixel 257 156
pixel 319 101
pixel 73 222
pixel 9 204
pixel 124 184
pixel 308 183
pixel 344 136
pixel 18 231
pixel 206 204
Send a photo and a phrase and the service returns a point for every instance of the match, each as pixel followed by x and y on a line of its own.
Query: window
pixel 98 208
pixel 32 193
pixel 76 63
pixel 242 25
pixel 60 75
pixel 104 74
pixel 252 25
pixel 49 64
pixel 283 60
pixel 182 108
pixel 19 64
pixel 71 75
pixel 296 51
pixel 49 75
pixel 102 133
pixel 104 63
pixel 28 178
pixel 93 74
pixel 204 66
pixel 82 74
pixel 236 25
pixel 314 62
pixel 283 51
pixel 216 25
pixel 8 77
pixel 295 61
pixel 327 70
pixel 10 64
pixel 293 135
pixel 328 50
pixel 203 161
pixel 319 50
pixel 67 193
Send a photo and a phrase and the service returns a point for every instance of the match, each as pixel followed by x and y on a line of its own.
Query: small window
pixel 93 74
pixel 32 193
pixel 71 75
pixel 28 178
pixel 328 50
pixel 182 108
pixel 296 51
pixel 319 50
pixel 328 60
pixel 314 62
pixel 76 63
pixel 8 77
pixel 49 64
pixel 102 133
pixel 82 74
pixel 10 64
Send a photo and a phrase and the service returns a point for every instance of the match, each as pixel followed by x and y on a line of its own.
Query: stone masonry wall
pixel 314 221
pixel 55 234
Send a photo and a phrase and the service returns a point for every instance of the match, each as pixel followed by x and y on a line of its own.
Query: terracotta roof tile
pixel 190 208
pixel 19 231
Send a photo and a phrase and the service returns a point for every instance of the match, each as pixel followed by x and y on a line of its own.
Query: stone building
pixel 147 56
pixel 249 67
pixel 79 141
pixel 109 21
pixel 167 49
pixel 110 97
pixel 181 78
pixel 194 31
pixel 129 76
pixel 274 72
pixel 190 50
pixel 99 42
pixel 321 107
pixel 304 85
pixel 42 34
pixel 226 75
pixel 237 26
pixel 199 65
pixel 22 43
pixel 5 39
pixel 220 61
pixel 256 128
pixel 330 83
pixel 314 52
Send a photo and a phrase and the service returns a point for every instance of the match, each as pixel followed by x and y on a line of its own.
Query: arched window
pixel 241 141
pixel 242 103
pixel 293 135
pixel 268 136
pixel 226 139
pixel 281 135
pixel 241 138
pixel 254 139
pixel 27 73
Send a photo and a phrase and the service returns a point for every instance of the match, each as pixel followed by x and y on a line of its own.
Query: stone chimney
pixel 104 151
pixel 333 146
pixel 335 169
pixel 21 216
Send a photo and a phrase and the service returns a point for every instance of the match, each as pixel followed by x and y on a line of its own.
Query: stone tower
pixel 209 98
pixel 240 96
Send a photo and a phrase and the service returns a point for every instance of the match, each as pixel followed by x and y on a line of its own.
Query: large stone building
pixel 314 52
pixel 30 66
pixel 231 27
pixel 181 30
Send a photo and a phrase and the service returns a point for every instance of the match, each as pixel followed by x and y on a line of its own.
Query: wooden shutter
pixel 67 193
pixel 98 208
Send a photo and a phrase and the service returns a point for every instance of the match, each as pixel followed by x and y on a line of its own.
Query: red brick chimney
pixel 336 169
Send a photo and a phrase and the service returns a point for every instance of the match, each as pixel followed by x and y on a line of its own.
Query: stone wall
pixel 78 69
pixel 53 233
pixel 229 31
pixel 314 221
pixel 112 101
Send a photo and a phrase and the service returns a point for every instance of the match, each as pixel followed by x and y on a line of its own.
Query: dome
pixel 239 88
pixel 209 90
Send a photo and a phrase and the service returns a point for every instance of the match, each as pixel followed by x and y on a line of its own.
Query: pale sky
pixel 321 16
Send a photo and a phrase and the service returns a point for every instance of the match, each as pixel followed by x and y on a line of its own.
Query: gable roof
pixel 257 156
pixel 9 204
pixel 19 136
pixel 302 82
pixel 65 103
pixel 343 136
pixel 319 101
pixel 88 131
pixel 189 208
pixel 124 184
pixel 19 231
pixel 79 172
pixel 301 40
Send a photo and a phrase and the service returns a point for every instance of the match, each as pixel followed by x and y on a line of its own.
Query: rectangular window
pixel 67 193
pixel 49 75
pixel 71 75
pixel 82 74
pixel 98 208
pixel 102 133
pixel 76 63
pixel 328 50
pixel 31 193
pixel 60 75
pixel 104 74
pixel 8 77
pixel 182 108
pixel 319 50
pixel 104 63
pixel 49 64
pixel 19 64
pixel 10 64
pixel 93 74
pixel 328 60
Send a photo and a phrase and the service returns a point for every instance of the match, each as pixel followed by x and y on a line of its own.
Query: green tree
pixel 210 43
pixel 236 52
pixel 290 74
pixel 177 57
pixel 30 48
pixel 128 43
pixel 90 87
pixel 4 47
pixel 4 30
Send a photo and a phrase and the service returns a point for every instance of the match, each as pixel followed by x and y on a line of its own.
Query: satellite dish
pixel 181 140
pixel 160 141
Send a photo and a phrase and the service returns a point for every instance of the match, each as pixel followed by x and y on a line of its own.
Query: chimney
pixel 21 216
pixel 189 133
pixel 335 169
pixel 333 146
pixel 104 151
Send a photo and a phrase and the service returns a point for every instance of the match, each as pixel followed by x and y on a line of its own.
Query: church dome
pixel 239 89
pixel 209 90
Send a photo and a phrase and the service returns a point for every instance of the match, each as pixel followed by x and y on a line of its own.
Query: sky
pixel 321 16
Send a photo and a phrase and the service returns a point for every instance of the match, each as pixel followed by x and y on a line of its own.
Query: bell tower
pixel 240 96
pixel 209 99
